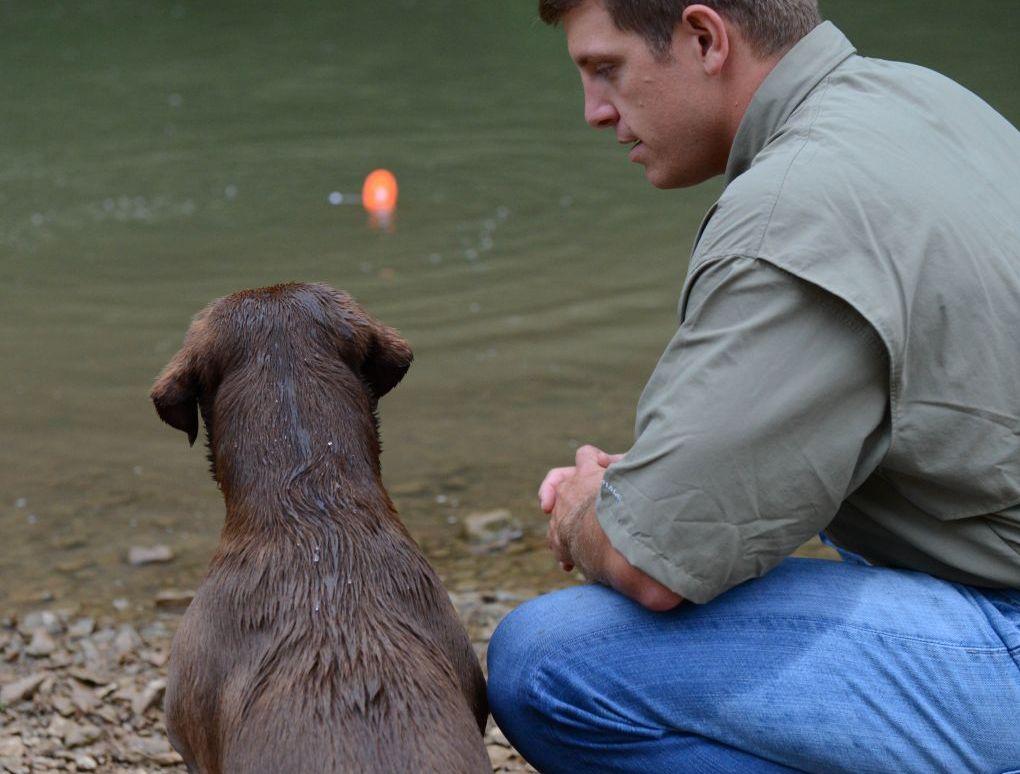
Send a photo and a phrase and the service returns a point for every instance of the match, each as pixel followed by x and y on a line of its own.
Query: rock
pixel 152 747
pixel 42 644
pixel 86 676
pixel 148 696
pixel 492 530
pixel 85 763
pixel 155 657
pixel 139 555
pixel 83 627
pixel 84 699
pixel 40 619
pixel 127 641
pixel 79 736
pixel 72 566
pixel 90 653
pixel 11 747
pixel 63 705
pixel 174 600
pixel 21 689
pixel 121 604
pixel 58 727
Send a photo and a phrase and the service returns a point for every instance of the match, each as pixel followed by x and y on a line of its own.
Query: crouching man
pixel 847 361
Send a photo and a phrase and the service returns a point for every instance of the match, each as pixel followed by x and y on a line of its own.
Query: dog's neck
pixel 302 455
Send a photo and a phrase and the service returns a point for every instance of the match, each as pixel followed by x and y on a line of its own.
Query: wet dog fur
pixel 320 639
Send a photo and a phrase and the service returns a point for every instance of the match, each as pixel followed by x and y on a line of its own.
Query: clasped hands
pixel 576 538
pixel 568 495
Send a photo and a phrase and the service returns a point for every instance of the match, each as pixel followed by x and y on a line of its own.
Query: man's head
pixel 674 77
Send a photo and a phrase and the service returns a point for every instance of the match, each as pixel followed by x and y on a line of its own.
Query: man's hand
pixel 576 537
pixel 567 494
pixel 547 491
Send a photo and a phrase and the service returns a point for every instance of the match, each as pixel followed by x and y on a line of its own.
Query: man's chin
pixel 667 179
pixel 662 181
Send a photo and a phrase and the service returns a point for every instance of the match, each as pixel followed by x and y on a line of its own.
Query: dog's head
pixel 258 329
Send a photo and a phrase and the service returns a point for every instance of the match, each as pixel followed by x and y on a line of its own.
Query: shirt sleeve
pixel 768 407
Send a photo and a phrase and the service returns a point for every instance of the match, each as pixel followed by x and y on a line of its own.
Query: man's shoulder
pixel 874 138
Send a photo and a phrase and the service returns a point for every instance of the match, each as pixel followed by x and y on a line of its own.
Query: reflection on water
pixel 155 156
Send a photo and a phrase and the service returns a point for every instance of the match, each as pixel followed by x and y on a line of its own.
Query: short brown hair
pixel 770 26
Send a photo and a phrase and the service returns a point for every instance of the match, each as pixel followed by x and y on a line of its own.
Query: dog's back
pixel 320 640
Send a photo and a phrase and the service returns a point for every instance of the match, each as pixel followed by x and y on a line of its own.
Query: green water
pixel 154 156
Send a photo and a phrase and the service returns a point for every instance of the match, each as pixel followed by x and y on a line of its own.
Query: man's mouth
pixel 634 149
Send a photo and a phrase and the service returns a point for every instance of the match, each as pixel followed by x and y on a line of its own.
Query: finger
pixel 587 455
pixel 547 490
pixel 605 460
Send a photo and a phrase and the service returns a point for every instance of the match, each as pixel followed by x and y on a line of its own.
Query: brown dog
pixel 320 640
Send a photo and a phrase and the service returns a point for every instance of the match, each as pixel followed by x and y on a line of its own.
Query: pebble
pixel 80 719
pixel 127 641
pixel 139 555
pixel 21 689
pixel 42 644
pixel 491 530
pixel 40 619
pixel 174 600
pixel 152 693
pixel 83 627
pixel 79 736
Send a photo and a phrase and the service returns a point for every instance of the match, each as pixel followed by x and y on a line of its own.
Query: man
pixel 847 360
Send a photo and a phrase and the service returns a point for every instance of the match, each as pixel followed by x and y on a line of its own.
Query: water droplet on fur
pixel 316 607
pixel 315 554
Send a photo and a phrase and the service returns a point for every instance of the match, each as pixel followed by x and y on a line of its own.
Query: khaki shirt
pixel 847 357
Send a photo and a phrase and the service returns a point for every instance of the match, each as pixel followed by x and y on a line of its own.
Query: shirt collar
pixel 801 69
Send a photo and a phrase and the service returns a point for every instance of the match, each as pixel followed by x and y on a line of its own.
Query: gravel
pixel 79 693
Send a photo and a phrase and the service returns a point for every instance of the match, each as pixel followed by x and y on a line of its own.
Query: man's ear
pixel 175 396
pixel 387 360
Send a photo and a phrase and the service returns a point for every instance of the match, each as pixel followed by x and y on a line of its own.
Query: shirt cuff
pixel 639 550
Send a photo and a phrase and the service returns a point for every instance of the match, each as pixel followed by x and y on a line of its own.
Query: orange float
pixel 379 193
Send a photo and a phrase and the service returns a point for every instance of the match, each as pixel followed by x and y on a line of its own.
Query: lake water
pixel 156 155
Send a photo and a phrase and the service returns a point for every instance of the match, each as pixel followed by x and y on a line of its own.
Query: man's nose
pixel 600 113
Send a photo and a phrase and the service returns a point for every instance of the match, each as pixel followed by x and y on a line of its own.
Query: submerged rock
pixel 492 530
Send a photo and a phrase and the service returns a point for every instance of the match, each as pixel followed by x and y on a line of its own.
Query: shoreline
pixel 85 693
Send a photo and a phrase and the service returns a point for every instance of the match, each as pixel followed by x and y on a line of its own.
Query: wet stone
pixel 492 530
pixel 140 555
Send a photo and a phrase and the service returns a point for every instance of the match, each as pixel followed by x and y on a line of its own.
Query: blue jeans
pixel 818 666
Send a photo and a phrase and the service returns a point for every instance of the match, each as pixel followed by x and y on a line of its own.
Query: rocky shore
pixel 85 693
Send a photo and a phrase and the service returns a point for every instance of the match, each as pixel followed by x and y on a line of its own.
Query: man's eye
pixel 604 70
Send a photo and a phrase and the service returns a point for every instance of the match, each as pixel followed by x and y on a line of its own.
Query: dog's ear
pixel 178 389
pixel 175 395
pixel 387 360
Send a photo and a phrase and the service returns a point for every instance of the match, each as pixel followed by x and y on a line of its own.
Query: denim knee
pixel 511 655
